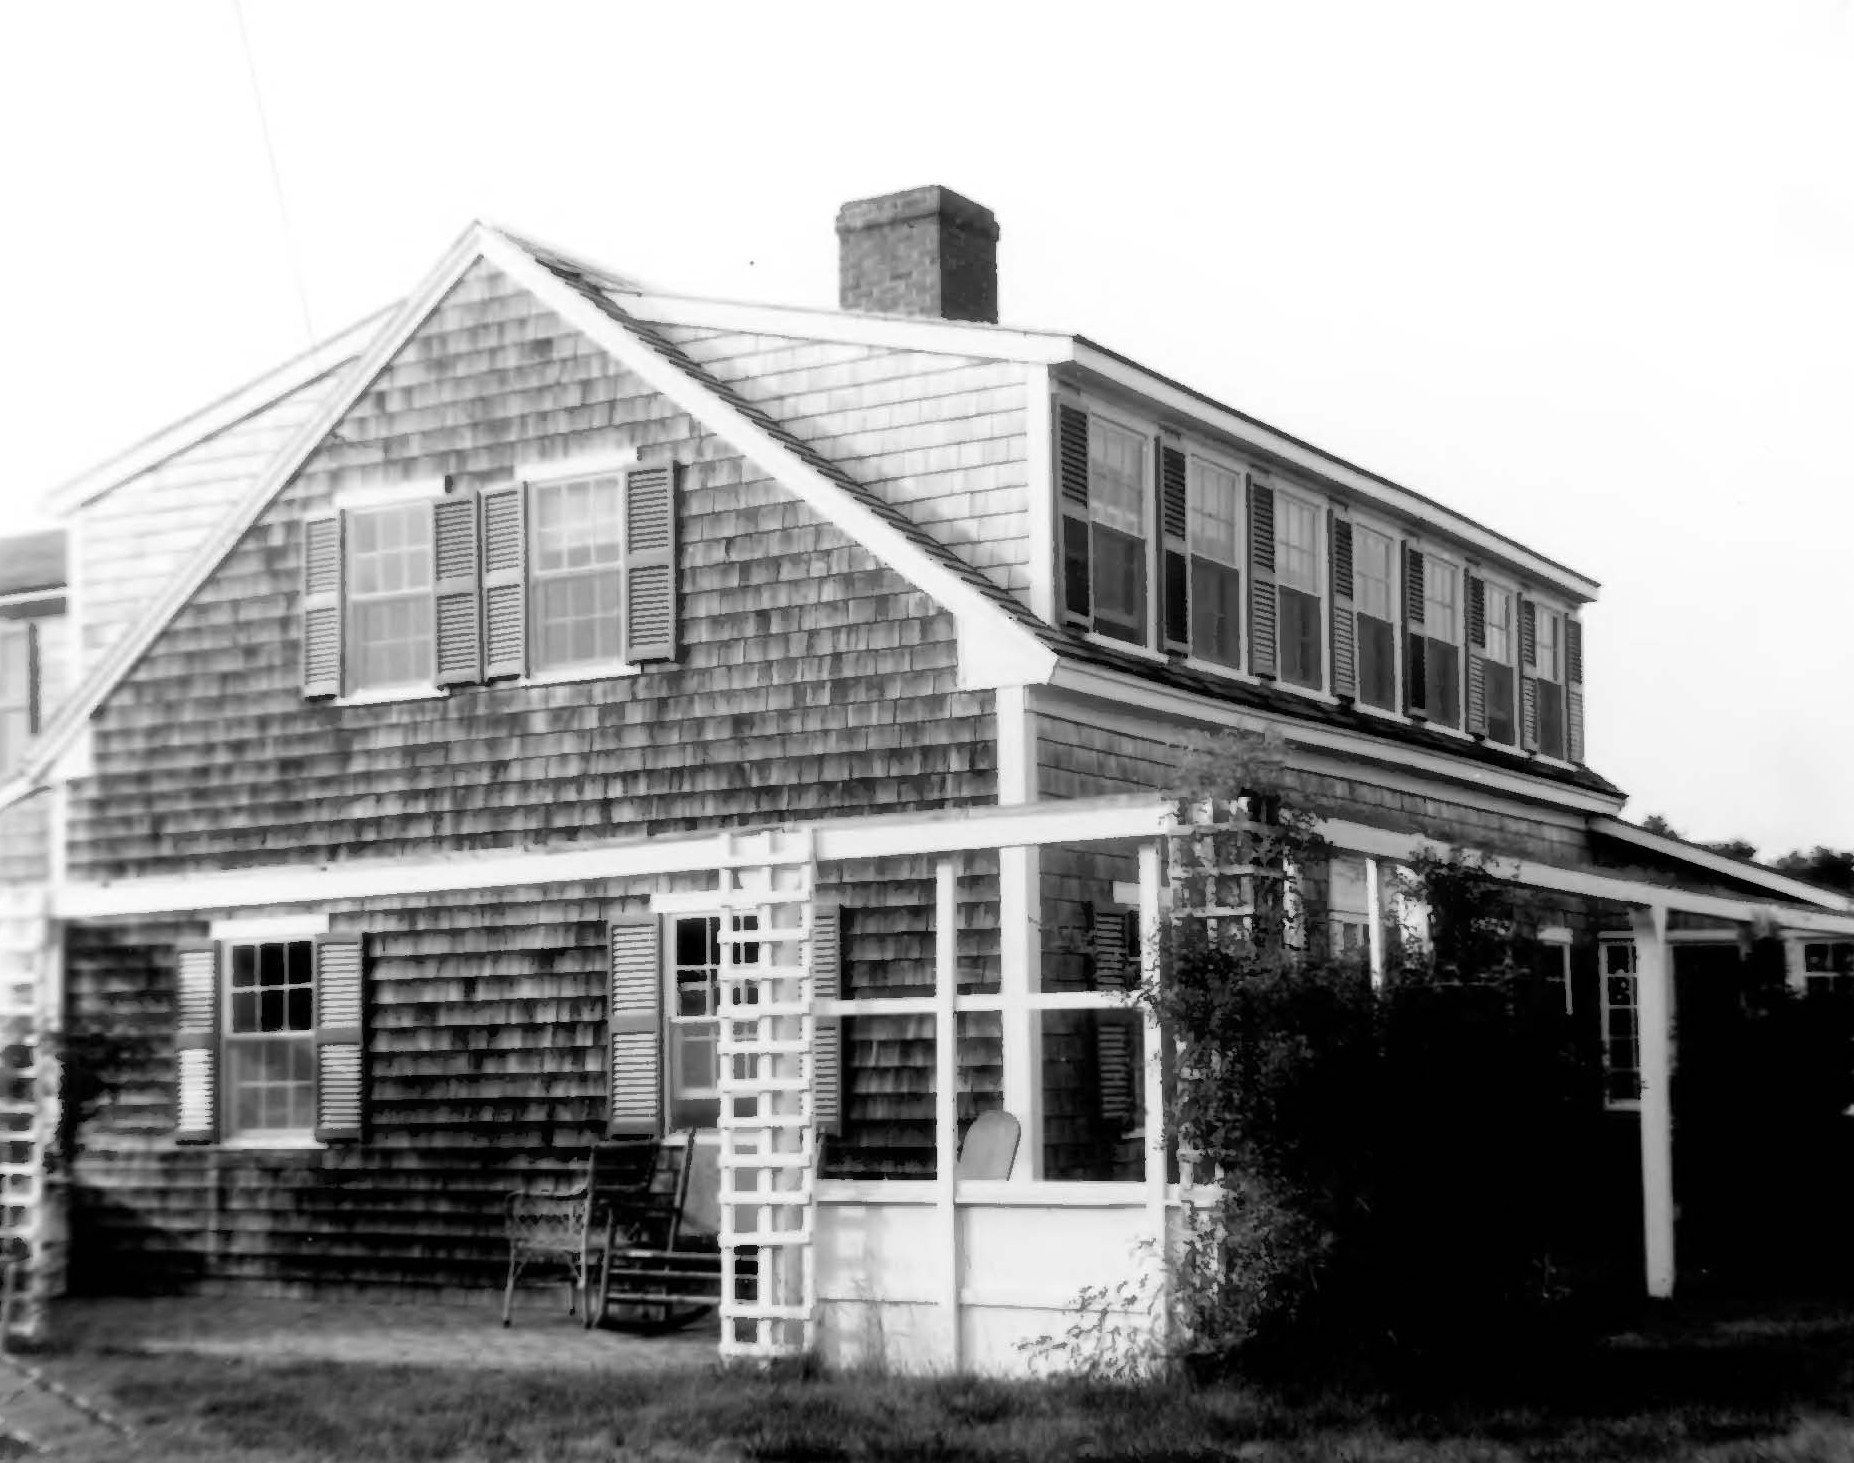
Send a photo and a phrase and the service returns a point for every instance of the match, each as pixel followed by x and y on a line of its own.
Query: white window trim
pixel 365 496
pixel 1394 712
pixel 284 930
pixel 1322 574
pixel 386 695
pixel 544 470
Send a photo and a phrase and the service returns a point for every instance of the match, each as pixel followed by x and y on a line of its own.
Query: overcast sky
pixel 1584 272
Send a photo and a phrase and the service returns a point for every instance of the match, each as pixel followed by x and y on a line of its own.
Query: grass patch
pixel 1723 1393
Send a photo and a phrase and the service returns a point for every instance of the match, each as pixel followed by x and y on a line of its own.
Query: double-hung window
pixel 1297 583
pixel 269 1051
pixel 1497 665
pixel 1374 594
pixel 18 694
pixel 1442 634
pixel 1117 503
pixel 1216 579
pixel 576 572
pixel 389 597
pixel 1549 669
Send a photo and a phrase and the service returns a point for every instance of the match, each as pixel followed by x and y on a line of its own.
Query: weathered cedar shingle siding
pixel 941 437
pixel 134 539
pixel 831 680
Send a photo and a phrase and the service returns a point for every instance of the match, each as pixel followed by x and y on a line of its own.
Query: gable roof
pixel 1014 643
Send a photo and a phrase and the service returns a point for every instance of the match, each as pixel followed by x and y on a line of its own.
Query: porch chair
pixel 990 1147
pixel 578 1228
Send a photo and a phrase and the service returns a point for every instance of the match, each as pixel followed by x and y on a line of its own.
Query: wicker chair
pixel 577 1229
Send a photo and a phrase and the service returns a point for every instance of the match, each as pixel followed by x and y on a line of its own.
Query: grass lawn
pixel 1689 1388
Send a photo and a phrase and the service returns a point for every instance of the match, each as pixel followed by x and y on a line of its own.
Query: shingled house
pixel 556 634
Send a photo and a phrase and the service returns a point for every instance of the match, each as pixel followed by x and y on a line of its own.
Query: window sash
pixel 388 591
pixel 1119 571
pixel 1216 513
pixel 267 1037
pixel 1117 478
pixel 1377 662
pixel 1216 612
pixel 1297 638
pixel 1501 639
pixel 1499 683
pixel 1549 645
pixel 1373 574
pixel 1297 544
pixel 1441 600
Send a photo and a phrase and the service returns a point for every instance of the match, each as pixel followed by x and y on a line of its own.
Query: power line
pixel 276 178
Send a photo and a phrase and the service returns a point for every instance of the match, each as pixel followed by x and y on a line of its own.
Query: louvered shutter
pixel 457 588
pixel 1113 936
pixel 340 1045
pixel 1477 659
pixel 1345 612
pixel 650 563
pixel 1574 688
pixel 1262 606
pixel 1416 646
pixel 636 1028
pixel 827 1075
pixel 321 627
pixel 1174 523
pixel 1076 569
pixel 196 1042
pixel 505 581
pixel 1528 682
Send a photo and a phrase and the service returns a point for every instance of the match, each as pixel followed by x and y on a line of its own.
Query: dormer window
pixel 1105 499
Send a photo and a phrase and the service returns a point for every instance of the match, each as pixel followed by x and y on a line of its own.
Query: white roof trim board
pixel 248 399
pixel 1719 863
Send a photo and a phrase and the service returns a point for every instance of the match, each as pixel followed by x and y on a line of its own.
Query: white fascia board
pixel 1340 474
pixel 939 337
pixel 1403 847
pixel 1122 688
pixel 120 658
pixel 1718 863
pixel 253 397
pixel 994 649
pixel 888 835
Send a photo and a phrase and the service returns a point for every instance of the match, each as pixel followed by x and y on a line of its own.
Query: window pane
pixel 244 1011
pixel 1117 478
pixel 270 1083
pixel 1377 662
pixel 244 965
pixel 1216 502
pixel 301 1014
pixel 1119 584
pixel 1297 544
pixel 270 1011
pixel 1443 683
pixel 270 965
pixel 1299 638
pixel 1500 716
pixel 1216 612
pixel 1371 569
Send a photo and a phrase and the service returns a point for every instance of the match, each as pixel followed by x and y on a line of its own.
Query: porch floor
pixel 409 1333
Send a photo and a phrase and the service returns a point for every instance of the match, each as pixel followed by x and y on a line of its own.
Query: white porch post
pixel 1374 913
pixel 946 1092
pixel 1654 1011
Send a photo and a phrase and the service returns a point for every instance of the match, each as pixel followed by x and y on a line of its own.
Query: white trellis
pixel 768 1158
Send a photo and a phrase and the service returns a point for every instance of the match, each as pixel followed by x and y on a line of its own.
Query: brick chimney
pixel 927 251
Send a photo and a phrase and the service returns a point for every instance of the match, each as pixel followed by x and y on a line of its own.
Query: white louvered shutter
pixel 505 581
pixel 340 1043
pixel 827 1084
pixel 457 589
pixel 636 1028
pixel 321 623
pixel 196 1042
pixel 650 563
pixel 1262 601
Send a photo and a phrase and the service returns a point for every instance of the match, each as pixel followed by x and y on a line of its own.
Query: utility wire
pixel 276 178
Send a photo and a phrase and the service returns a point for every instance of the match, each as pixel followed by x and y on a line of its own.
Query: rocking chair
pixel 619 1202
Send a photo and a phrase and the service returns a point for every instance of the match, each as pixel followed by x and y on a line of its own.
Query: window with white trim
pixel 576 572
pixel 1550 672
pixel 389 597
pixel 1622 1047
pixel 18 692
pixel 1216 556
pixel 1299 626
pixel 1117 503
pixel 1498 662
pixel 1374 597
pixel 269 1038
pixel 1442 627
pixel 692 1016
